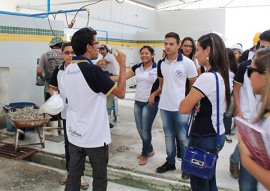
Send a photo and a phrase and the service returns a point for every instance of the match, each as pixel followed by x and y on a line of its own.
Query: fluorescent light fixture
pixel 140 5
pixel 174 5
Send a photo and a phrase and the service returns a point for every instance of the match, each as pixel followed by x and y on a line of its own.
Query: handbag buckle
pixel 197 162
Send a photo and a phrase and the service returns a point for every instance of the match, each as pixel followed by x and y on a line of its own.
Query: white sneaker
pixel 84 183
pixel 234 130
pixel 63 180
pixel 228 138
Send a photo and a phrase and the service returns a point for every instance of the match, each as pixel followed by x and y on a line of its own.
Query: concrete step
pixel 121 175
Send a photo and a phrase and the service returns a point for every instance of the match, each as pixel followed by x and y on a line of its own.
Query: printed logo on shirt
pixel 74 133
pixel 74 72
pixel 178 73
pixel 152 75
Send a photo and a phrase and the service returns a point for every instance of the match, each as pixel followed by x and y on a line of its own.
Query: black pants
pixel 98 158
pixel 67 148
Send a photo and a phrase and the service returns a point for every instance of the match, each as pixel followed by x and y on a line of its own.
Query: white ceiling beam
pixel 58 4
pixel 140 4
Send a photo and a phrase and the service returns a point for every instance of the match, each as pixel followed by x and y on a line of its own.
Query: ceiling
pixel 201 4
pixel 157 4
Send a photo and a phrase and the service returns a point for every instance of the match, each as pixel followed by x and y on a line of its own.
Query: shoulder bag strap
pixel 191 118
pixel 217 87
pixel 190 122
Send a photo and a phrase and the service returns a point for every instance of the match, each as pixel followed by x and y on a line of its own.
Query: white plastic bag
pixel 53 106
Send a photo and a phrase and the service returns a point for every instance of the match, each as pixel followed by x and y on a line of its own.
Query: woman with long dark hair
pixel 229 112
pixel 188 47
pixel 146 99
pixel 212 54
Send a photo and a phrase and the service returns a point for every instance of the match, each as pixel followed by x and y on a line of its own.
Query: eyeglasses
pixel 250 70
pixel 187 46
pixel 95 43
pixel 263 46
pixel 69 53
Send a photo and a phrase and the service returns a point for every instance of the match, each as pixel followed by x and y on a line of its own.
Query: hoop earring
pixel 207 60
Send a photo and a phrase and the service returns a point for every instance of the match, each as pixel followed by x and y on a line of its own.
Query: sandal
pixel 143 160
pixel 149 155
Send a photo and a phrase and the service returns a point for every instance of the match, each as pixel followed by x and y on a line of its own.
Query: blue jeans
pixel 246 181
pixel 174 126
pixel 235 156
pixel 207 144
pixel 227 120
pixel 98 158
pixel 144 117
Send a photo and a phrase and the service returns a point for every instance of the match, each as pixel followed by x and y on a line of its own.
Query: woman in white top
pixel 211 53
pixel 259 73
pixel 146 99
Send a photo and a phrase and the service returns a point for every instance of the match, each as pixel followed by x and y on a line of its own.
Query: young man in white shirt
pixel 173 72
pixel 86 87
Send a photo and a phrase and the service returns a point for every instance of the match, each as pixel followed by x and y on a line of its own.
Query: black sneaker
pixel 22 134
pixel 165 167
pixel 185 176
pixel 111 125
pixel 178 153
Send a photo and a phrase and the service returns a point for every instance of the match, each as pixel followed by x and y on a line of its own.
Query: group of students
pixel 246 104
pixel 171 85
pixel 202 96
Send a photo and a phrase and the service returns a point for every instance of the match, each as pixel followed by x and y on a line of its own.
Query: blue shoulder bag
pixel 196 161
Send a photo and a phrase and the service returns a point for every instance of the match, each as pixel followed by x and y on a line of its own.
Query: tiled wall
pixel 29 31
pixel 10 33
pixel 32 34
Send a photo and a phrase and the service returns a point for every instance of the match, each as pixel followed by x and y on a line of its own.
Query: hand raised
pixel 120 57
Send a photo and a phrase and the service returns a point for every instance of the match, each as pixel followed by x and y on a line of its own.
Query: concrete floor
pixel 25 176
pixel 126 144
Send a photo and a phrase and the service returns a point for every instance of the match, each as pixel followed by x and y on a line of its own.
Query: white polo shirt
pixel 205 122
pixel 248 100
pixel 146 81
pixel 174 77
pixel 85 85
pixel 56 82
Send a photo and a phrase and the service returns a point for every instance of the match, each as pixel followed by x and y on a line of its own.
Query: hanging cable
pixel 88 17
pixel 54 16
pixel 74 18
pixel 66 18
pixel 50 24
pixel 120 1
pixel 85 6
